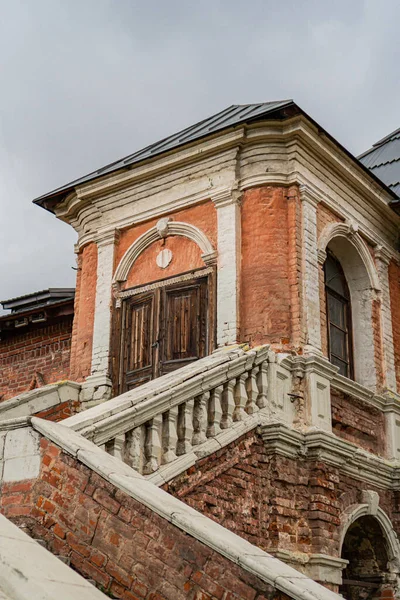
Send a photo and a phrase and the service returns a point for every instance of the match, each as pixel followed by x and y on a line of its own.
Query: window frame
pixel 346 301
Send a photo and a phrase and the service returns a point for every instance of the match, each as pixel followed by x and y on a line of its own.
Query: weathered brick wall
pixel 85 297
pixel 394 285
pixel 186 254
pixel 276 503
pixel 123 546
pixel 43 349
pixel 269 279
pixel 359 423
pixel 59 411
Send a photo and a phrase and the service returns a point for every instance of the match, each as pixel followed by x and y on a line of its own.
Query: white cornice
pixel 319 445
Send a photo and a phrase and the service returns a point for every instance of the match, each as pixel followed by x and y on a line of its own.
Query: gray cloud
pixel 84 82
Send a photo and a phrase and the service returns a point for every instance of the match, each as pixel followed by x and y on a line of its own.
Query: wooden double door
pixel 163 330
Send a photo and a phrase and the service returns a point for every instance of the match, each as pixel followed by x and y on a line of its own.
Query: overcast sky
pixel 84 82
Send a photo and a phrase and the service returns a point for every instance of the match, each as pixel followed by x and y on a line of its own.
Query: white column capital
pixel 383 255
pixel 225 197
pixel 106 237
pixel 307 194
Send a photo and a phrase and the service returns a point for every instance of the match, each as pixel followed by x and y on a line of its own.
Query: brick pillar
pixel 389 372
pixel 97 386
pixel 228 214
pixel 311 310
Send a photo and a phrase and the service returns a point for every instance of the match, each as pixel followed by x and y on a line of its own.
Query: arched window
pixel 338 316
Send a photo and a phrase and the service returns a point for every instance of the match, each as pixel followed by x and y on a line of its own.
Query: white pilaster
pixel 102 315
pixel 229 229
pixel 382 263
pixel 311 304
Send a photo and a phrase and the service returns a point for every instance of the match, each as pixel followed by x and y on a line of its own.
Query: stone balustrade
pixel 181 413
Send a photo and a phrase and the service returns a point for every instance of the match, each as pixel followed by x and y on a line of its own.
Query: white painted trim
pixel 152 235
pixel 164 282
pixel 354 512
pixel 349 231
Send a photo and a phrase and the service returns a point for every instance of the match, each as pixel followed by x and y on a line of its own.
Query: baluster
pixel 262 384
pixel 153 445
pixel 215 412
pixel 134 447
pixel 169 436
pixel 228 404
pixel 239 413
pixel 200 419
pixel 185 427
pixel 115 447
pixel 252 392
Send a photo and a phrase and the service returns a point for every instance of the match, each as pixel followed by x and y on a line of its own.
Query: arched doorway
pixel 366 548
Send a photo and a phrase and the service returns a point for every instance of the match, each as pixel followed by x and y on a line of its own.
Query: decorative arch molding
pixel 355 511
pixel 350 232
pixel 164 228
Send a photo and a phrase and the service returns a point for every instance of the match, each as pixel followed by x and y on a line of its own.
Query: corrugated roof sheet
pixel 229 117
pixel 383 160
pixel 36 299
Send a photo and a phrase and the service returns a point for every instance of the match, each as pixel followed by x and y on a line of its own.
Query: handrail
pixel 152 425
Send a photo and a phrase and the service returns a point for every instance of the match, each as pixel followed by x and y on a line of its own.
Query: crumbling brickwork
pixel 268 273
pixel 85 296
pixel 44 349
pixel 276 503
pixel 359 423
pixel 127 549
pixel 394 285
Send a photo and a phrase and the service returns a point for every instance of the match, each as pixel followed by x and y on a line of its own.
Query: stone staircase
pixel 163 427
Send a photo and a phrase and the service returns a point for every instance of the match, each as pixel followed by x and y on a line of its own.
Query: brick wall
pixel 266 291
pixel 394 286
pixel 276 503
pixel 123 546
pixel 358 423
pixel 85 297
pixel 59 411
pixel 42 349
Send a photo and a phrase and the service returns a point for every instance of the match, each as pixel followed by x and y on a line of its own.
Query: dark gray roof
pixel 383 160
pixel 38 299
pixel 229 117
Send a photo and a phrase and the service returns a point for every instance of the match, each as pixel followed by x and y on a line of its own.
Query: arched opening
pixel 366 548
pixel 355 283
pixel 338 317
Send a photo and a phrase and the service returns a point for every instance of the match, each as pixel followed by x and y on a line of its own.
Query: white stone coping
pixel 30 572
pixel 234 548
pixel 39 399
pixel 103 422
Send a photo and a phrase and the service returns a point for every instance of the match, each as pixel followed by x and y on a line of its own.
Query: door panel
pixel 162 331
pixel 184 325
pixel 138 334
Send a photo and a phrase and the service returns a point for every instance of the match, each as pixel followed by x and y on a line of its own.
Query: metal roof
pixel 38 299
pixel 383 160
pixel 229 117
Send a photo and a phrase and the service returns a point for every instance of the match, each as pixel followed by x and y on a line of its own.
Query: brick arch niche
pixel 195 250
pixel 370 546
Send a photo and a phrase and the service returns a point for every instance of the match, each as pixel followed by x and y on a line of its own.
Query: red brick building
pixel 253 228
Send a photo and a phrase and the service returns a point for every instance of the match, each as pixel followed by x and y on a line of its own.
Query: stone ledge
pixel 316 444
pixel 35 401
pixel 269 569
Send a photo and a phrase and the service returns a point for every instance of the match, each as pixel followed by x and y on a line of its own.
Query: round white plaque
pixel 164 258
